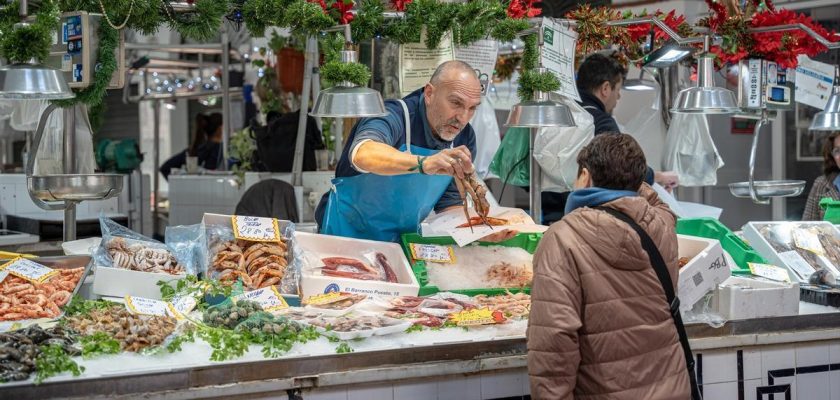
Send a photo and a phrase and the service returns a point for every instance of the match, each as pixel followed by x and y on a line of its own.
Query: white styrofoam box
pixel 81 246
pixel 791 260
pixel 120 282
pixel 707 267
pixel 316 247
pixel 744 297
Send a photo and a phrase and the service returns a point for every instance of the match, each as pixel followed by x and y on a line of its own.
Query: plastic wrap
pixel 556 148
pixel 487 137
pixel 123 248
pixel 50 152
pixel 220 238
pixel 187 244
pixel 704 312
pixel 357 325
pixel 690 151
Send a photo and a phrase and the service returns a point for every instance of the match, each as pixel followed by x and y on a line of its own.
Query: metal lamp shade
pixel 705 98
pixel 829 118
pixel 32 82
pixel 348 101
pixel 639 85
pixel 539 113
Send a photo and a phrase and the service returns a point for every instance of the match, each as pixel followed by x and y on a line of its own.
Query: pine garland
pixel 506 29
pixel 306 18
pixel 531 53
pixel 202 23
pixel 531 81
pixel 334 72
pixel 21 44
pixel 260 14
pixel 476 19
pixel 369 21
pixel 146 15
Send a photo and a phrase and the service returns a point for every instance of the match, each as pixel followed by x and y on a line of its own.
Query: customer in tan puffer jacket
pixel 600 327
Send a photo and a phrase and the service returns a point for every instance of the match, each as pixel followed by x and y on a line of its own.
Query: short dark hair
pixel 615 161
pixel 829 165
pixel 597 69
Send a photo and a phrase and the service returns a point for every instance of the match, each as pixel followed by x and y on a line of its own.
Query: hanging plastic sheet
pixel 690 151
pixel 511 160
pixel 50 152
pixel 557 148
pixel 487 137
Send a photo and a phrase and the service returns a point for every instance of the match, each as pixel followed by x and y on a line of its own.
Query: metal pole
pixel 155 172
pixel 225 98
pixel 68 159
pixel 338 144
pixel 535 179
pixel 311 56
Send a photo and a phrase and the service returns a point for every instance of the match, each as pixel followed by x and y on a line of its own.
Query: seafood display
pixel 344 267
pixel 141 257
pixel 20 349
pixel 257 264
pixel 352 323
pixel 508 275
pixel 21 299
pixel 229 315
pixel 482 267
pixel 471 187
pixel 512 305
pixel 134 332
pixel 816 243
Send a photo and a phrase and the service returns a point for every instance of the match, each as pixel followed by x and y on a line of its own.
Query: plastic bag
pixel 187 244
pixel 690 151
pixel 704 312
pixel 221 238
pixel 487 137
pixel 123 248
pixel 650 131
pixel 510 163
pixel 556 148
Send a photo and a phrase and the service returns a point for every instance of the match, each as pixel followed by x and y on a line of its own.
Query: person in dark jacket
pixel 599 81
pixel 206 145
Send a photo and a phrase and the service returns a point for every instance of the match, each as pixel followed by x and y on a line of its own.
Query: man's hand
pixel 456 162
pixel 667 179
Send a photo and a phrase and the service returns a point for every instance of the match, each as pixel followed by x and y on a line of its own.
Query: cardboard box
pixel 120 282
pixel 752 297
pixel 315 247
pixel 799 268
pixel 708 266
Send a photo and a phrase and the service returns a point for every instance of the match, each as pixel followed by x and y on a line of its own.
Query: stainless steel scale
pixel 65 191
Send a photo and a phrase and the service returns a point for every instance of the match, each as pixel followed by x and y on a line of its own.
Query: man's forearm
pixel 382 159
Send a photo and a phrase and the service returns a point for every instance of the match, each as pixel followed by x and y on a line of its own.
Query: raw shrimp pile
pixel 22 299
pixel 480 267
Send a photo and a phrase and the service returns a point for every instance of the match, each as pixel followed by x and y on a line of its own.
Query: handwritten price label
pixel 482 316
pixel 144 306
pixel 807 240
pixel 256 229
pixel 769 271
pixel 268 298
pixel 182 305
pixel 29 270
pixel 432 253
pixel 326 298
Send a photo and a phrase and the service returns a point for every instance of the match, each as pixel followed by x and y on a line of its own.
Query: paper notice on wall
pixel 558 55
pixel 480 55
pixel 418 63
pixel 814 81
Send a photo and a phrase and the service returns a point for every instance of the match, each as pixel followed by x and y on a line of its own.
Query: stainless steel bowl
pixel 768 188
pixel 75 187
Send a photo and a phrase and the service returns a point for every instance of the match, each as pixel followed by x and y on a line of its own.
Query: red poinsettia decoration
pixel 783 47
pixel 400 5
pixel 321 3
pixel 674 21
pixel 344 13
pixel 518 9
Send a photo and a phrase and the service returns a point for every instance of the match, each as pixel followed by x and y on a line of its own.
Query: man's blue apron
pixel 377 207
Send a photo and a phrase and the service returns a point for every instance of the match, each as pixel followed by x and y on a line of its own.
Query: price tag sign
pixel 769 271
pixel 482 316
pixel 798 264
pixel 432 253
pixel 807 240
pixel 268 298
pixel 29 270
pixel 183 305
pixel 9 326
pixel 326 298
pixel 256 229
pixel 144 306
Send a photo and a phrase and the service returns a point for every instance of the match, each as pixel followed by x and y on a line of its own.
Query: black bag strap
pixel 661 270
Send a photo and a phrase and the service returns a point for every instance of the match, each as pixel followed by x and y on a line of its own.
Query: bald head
pixel 452 96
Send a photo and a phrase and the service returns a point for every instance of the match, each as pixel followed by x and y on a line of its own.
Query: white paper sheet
pixel 685 209
pixel 558 55
pixel 418 63
pixel 814 81
pixel 446 224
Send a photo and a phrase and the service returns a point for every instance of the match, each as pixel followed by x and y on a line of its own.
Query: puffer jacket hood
pixel 600 327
